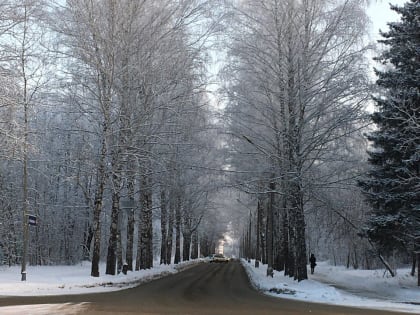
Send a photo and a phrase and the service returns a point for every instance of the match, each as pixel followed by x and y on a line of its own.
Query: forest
pixel 146 132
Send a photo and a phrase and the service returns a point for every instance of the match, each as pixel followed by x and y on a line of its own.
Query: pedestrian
pixel 312 260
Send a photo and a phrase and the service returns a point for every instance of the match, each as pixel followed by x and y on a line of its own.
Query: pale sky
pixel 380 14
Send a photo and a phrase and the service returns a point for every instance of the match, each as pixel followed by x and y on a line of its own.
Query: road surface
pixel 205 289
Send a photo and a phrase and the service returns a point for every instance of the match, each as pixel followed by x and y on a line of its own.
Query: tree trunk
pixel 98 210
pixel 138 243
pixel 186 246
pixel 120 258
pixel 270 219
pixel 87 241
pixel 194 245
pixel 111 259
pixel 264 239
pixel 163 225
pixel 285 240
pixel 130 226
pixel 115 210
pixel 178 219
pixel 277 243
pixel 146 224
pixel 257 246
pixel 418 269
pixel 170 229
pixel 302 272
pixel 291 239
pixel 386 264
pixel 204 245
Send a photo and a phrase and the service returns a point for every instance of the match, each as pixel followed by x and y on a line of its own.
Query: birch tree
pixel 90 30
pixel 298 83
pixel 24 62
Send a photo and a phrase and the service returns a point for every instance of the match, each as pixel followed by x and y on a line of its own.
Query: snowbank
pixel 341 286
pixel 329 284
pixel 60 280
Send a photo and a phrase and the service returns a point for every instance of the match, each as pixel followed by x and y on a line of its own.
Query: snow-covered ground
pixel 329 284
pixel 60 280
pixel 341 286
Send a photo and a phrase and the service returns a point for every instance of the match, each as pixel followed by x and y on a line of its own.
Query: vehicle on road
pixel 219 258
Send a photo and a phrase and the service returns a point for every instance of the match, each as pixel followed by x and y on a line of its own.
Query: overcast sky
pixel 380 14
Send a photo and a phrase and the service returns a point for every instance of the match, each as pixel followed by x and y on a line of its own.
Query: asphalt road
pixel 205 289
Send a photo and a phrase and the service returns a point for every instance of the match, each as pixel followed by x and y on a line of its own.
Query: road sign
pixel 32 219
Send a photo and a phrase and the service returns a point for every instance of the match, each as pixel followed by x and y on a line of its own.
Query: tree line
pixel 109 138
pixel 104 123
pixel 297 89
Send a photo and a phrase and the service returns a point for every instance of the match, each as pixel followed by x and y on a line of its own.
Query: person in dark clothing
pixel 312 260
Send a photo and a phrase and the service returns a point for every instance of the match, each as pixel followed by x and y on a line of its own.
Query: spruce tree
pixel 392 186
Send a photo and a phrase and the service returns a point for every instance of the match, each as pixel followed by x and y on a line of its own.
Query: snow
pixel 329 284
pixel 63 280
pixel 338 285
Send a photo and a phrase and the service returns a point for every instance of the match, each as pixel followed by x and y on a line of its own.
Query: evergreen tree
pixel 392 186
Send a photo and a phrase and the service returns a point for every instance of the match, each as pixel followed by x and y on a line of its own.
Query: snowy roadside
pixel 63 280
pixel 359 288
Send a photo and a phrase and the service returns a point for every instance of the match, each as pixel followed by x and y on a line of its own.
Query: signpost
pixel 32 220
pixel 28 219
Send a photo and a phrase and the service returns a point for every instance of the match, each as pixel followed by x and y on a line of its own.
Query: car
pixel 219 258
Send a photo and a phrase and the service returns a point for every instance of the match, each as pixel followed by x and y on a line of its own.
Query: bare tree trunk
pixel 278 265
pixel 264 237
pixel 163 224
pixel 286 244
pixel 258 244
pixel 291 239
pixel 187 230
pixel 120 258
pixel 178 220
pixel 204 246
pixel 186 246
pixel 249 244
pixel 87 241
pixel 98 209
pixel 138 243
pixel 386 264
pixel 418 269
pixel 25 205
pixel 170 228
pixel 194 245
pixel 146 224
pixel 301 259
pixel 270 219
pixel 130 223
pixel 111 259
